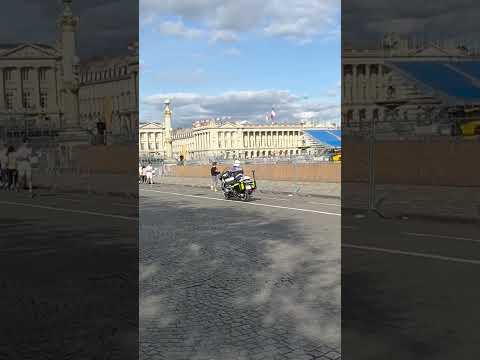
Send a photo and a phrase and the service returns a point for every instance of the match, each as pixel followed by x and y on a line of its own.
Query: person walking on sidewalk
pixel 12 168
pixel 149 173
pixel 24 166
pixel 214 176
pixel 3 165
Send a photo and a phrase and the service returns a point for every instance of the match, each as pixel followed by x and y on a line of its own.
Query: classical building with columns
pixel 212 139
pixel 369 81
pixel 47 93
pixel 109 94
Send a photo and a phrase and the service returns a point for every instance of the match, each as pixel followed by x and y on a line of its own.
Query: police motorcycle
pixel 237 186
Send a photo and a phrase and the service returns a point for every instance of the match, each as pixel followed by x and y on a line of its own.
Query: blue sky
pixel 237 59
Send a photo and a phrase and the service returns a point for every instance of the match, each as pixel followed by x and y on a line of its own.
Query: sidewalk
pixel 435 202
pixel 323 190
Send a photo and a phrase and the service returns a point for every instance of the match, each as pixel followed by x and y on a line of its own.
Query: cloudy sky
pixel 106 26
pixel 238 58
pixel 364 21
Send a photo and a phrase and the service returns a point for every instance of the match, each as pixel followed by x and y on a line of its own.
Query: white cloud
pixel 178 29
pixel 223 36
pixel 241 105
pixel 232 52
pixel 299 20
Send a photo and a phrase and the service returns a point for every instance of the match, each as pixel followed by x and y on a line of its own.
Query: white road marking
pixel 93 213
pixel 244 203
pixel 86 200
pixel 442 237
pixel 415 254
pixel 309 202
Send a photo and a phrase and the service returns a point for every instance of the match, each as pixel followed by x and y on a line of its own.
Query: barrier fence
pixel 432 175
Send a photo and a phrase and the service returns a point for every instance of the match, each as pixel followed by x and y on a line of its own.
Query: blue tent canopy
pixel 329 138
pixel 471 68
pixel 442 77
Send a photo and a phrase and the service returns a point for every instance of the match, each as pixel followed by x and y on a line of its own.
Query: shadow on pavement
pixel 221 283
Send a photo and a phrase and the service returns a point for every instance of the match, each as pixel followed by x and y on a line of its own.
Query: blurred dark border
pixel 69 267
pixel 410 184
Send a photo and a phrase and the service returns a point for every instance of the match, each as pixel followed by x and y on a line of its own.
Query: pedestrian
pixel 12 168
pixel 214 176
pixel 140 174
pixel 144 174
pixel 3 165
pixel 149 174
pixel 24 166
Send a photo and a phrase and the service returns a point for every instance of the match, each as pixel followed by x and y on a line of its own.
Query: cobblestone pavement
pixel 226 280
pixel 68 277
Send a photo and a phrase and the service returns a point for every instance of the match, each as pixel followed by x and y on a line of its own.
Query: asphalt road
pixel 410 289
pixel 68 277
pixel 232 280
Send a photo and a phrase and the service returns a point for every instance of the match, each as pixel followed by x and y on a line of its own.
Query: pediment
pixel 29 51
pixel 228 125
pixel 151 126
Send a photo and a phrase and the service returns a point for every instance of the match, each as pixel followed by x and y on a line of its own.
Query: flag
pixel 272 114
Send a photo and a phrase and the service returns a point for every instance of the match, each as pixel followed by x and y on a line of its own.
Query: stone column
pixel 367 82
pixel 17 103
pixel 2 90
pixel 354 83
pixel 381 82
pixel 36 89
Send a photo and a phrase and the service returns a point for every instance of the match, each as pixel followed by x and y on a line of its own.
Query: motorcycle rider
pixel 236 169
pixel 232 173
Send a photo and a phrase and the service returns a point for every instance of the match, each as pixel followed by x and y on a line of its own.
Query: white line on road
pixel 442 237
pixel 93 213
pixel 309 202
pixel 87 200
pixel 245 203
pixel 415 254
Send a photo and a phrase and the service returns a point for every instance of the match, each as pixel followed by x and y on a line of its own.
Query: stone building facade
pixel 226 140
pixel 30 79
pixel 368 81
pixel 109 94
pixel 49 95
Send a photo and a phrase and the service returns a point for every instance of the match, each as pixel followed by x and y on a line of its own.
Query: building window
pixel 25 74
pixel 9 97
pixel 44 99
pixel 8 74
pixel 42 74
pixel 27 99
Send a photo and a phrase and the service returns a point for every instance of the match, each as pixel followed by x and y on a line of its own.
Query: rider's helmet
pixel 236 163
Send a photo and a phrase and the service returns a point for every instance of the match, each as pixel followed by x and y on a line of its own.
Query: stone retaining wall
pixel 325 173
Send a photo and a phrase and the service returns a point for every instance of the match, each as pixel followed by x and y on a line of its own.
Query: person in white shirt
pixel 149 173
pixel 3 165
pixel 24 166
pixel 12 168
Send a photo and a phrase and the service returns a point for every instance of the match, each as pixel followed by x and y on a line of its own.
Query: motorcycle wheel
pixel 227 197
pixel 246 196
